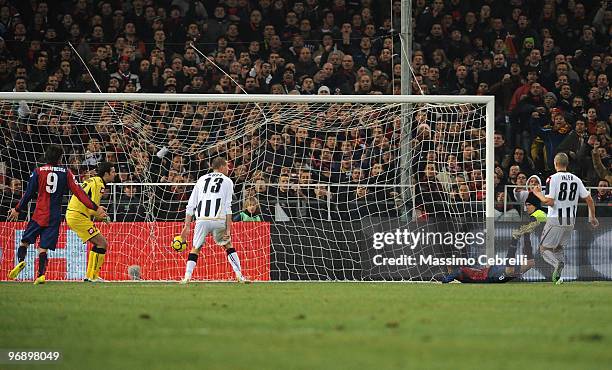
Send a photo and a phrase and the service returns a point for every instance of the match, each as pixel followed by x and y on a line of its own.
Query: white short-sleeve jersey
pixel 211 198
pixel 565 189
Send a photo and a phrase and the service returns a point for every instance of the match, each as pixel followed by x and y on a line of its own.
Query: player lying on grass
pixel 50 182
pixel 80 219
pixel 488 274
pixel 210 204
pixel 505 273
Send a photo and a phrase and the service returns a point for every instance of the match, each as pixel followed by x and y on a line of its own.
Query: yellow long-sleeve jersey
pixel 94 187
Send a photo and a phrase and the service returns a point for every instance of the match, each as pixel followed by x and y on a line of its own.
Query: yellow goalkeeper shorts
pixel 81 224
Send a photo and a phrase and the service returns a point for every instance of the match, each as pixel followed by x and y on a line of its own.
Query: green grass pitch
pixel 311 325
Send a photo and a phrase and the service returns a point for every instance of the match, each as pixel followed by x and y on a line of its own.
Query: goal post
pixel 329 174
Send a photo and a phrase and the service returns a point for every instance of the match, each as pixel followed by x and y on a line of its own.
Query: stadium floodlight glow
pixel 329 173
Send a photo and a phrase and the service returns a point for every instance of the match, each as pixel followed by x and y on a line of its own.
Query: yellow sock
pixel 98 261
pixel 90 265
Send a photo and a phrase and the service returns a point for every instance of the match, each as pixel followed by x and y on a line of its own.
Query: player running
pixel 80 219
pixel 210 204
pixel 562 193
pixel 50 182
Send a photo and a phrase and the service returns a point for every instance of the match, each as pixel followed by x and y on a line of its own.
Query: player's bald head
pixel 561 161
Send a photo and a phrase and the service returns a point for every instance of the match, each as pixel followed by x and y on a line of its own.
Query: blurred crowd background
pixel 548 63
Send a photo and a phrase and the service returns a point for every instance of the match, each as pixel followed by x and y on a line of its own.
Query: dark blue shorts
pixel 48 235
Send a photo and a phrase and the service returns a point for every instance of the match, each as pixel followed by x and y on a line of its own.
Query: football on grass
pixel 178 244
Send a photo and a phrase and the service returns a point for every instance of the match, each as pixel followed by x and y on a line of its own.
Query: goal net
pixel 326 188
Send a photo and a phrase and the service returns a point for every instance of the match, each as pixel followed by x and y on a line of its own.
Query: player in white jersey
pixel 210 204
pixel 562 193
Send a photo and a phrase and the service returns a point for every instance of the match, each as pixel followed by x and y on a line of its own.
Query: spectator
pixel 603 194
pixel 513 173
pixel 460 84
pixel 600 156
pixel 364 84
pixel 520 159
pixel 287 197
pixel 429 193
pixel 129 207
pixel 323 90
pixel 250 211
pixel 312 48
pixel 501 149
pixel 124 76
pixel 305 65
pixel 552 135
pixel 38 75
pixel 13 193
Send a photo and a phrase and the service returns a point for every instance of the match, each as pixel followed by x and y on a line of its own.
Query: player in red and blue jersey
pixel 50 183
pixel 488 274
pixel 494 273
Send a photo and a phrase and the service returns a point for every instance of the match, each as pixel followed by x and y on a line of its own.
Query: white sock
pixel 235 262
pixel 550 258
pixel 189 270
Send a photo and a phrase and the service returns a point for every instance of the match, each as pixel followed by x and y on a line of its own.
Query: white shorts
pixel 554 236
pixel 204 227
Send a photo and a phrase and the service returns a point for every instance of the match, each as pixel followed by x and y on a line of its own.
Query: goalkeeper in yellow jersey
pixel 537 218
pixel 80 219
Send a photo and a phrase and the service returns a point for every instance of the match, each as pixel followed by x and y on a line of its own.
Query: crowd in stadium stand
pixel 548 64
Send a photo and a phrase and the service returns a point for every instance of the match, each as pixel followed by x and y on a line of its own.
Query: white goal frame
pixel 487 100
